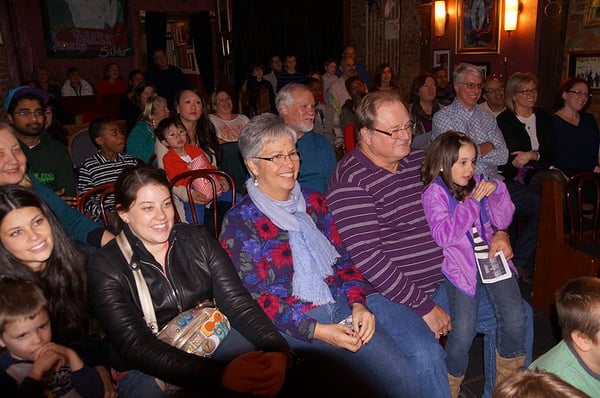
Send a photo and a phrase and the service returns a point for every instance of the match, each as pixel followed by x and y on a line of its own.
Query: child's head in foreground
pixel 536 384
pixel 24 321
pixel 578 308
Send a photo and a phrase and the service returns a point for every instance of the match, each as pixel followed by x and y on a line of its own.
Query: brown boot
pixel 505 367
pixel 455 383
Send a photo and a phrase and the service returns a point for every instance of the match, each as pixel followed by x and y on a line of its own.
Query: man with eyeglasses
pixel 465 116
pixel 296 106
pixel 375 197
pixel 47 159
pixel 493 93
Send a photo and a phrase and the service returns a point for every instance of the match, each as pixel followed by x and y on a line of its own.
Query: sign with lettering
pixel 86 28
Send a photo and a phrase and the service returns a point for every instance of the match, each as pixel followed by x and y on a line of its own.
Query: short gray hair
pixel 463 68
pixel 260 130
pixel 286 95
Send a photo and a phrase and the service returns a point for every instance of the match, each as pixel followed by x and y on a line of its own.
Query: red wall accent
pixel 520 45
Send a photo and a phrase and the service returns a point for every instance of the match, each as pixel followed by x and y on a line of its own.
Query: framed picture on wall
pixel 442 58
pixel 477 26
pixel 586 65
pixel 591 15
pixel 485 67
pixel 86 28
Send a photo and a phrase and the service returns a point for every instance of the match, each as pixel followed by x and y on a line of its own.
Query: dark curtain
pixel 202 34
pixel 312 30
pixel 156 33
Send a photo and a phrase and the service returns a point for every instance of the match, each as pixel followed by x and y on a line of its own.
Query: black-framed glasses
pixel 280 159
pixel 396 133
pixel 528 91
pixel 27 113
pixel 472 86
pixel 580 93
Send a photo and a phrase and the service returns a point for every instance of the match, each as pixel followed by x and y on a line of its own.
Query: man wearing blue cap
pixel 47 159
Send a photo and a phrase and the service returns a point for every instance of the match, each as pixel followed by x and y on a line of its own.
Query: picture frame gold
pixel 477 26
pixel 591 14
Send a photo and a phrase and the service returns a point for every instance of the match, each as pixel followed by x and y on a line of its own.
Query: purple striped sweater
pixel 382 223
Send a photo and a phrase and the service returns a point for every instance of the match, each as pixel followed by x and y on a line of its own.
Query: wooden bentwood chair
pixel 207 174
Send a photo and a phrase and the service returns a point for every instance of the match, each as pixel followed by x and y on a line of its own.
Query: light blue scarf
pixel 313 254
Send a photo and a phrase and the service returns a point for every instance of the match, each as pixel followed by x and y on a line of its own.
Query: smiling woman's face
pixel 12 159
pixel 26 233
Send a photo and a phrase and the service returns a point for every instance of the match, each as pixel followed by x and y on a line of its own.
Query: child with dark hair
pixel 576 359
pixel 463 212
pixel 104 166
pixel 32 365
pixel 182 157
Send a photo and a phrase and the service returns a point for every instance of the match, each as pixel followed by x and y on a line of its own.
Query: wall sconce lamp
pixel 512 9
pixel 440 18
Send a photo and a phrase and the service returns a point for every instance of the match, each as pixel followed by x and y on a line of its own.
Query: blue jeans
pixel 527 204
pixel 380 361
pixel 505 298
pixel 425 355
pixel 486 324
pixel 200 209
pixel 137 384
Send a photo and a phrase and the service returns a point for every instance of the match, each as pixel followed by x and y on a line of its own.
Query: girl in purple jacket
pixel 463 212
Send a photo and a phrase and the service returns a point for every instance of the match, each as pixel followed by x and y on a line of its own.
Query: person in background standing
pixel 167 79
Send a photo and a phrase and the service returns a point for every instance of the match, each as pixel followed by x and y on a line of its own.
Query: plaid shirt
pixel 481 126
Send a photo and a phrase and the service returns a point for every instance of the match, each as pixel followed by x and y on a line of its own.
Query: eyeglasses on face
pixel 397 132
pixel 528 91
pixel 280 159
pixel 27 113
pixel 580 93
pixel 432 85
pixel 472 86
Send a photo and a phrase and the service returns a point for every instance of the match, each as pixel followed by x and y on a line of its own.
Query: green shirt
pixel 50 162
pixel 564 362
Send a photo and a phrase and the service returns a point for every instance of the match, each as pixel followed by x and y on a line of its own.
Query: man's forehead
pixel 29 103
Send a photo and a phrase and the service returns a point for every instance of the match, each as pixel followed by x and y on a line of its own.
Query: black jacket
pixel 517 139
pixel 197 269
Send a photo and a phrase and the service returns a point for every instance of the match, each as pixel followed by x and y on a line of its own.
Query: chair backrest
pixel 583 207
pixel 208 174
pixel 102 191
pixel 82 148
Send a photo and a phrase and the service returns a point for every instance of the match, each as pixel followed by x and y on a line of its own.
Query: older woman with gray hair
pixel 288 253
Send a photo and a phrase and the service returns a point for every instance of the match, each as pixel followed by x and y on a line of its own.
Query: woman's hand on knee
pixel 363 322
pixel 337 335
pixel 438 321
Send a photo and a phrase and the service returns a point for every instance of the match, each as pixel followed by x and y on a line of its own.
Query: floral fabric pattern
pixel 262 255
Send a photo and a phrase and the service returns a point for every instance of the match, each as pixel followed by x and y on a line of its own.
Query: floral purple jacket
pixel 262 255
pixel 451 224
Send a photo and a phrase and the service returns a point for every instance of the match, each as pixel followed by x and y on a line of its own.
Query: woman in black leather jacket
pixel 182 266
